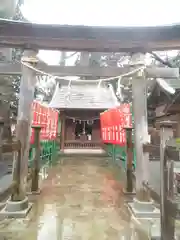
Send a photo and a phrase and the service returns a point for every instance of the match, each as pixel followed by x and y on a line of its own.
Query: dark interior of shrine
pixel 81 129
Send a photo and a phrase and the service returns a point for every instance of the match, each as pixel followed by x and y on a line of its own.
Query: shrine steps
pixel 84 152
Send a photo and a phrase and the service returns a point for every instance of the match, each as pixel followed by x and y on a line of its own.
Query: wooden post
pixel 177 131
pixel 26 96
pixel 62 114
pixel 139 92
pixel 1 138
pixel 84 61
pixel 171 179
pixel 113 153
pixel 17 193
pixel 63 59
pixel 36 161
pixel 63 123
pixel 129 165
pixel 166 207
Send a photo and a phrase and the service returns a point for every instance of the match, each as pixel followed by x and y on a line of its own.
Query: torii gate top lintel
pixel 88 38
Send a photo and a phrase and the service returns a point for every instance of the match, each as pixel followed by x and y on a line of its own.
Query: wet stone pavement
pixel 80 200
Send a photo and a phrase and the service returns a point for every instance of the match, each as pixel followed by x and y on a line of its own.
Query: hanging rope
pixel 69 85
pixel 113 94
pixel 119 87
pixel 99 81
pixel 84 81
pixel 99 84
pixel 68 94
pixel 82 120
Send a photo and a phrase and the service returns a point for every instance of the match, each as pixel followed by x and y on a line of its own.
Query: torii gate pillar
pixel 26 97
pixel 18 205
pixel 142 205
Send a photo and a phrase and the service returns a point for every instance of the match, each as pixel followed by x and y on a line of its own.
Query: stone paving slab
pixel 92 209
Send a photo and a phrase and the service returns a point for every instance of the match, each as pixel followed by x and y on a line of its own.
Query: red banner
pixel 119 128
pixel 113 123
pixel 103 125
pixel 126 110
pixel 47 118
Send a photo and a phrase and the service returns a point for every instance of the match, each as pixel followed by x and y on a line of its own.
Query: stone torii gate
pixel 88 38
pixel 135 40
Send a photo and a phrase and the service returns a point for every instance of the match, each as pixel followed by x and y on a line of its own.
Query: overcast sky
pixel 100 12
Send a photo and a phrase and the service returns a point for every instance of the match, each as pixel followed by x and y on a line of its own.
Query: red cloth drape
pixel 113 122
pixel 47 118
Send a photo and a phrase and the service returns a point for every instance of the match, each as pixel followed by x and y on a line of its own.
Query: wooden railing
pixel 33 174
pixel 82 145
pixel 154 152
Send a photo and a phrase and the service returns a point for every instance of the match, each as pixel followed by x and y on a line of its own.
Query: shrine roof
pixel 83 97
pixel 159 92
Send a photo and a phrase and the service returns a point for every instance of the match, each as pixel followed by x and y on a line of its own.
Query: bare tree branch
pixel 157 58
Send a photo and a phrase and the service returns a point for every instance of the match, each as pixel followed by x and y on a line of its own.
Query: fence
pixel 41 155
pixel 47 118
pixel 118 154
pixel 113 124
pixel 48 154
pixel 124 156
pixel 13 146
